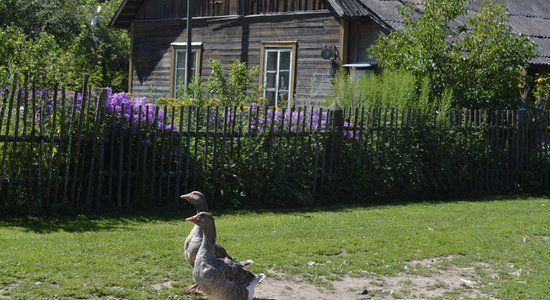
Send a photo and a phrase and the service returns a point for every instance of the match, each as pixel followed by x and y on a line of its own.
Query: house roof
pixel 527 17
pixel 125 13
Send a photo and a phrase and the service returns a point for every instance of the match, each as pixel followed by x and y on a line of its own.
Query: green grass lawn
pixel 129 255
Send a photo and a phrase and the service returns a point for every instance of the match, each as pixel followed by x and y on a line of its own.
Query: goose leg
pixel 194 288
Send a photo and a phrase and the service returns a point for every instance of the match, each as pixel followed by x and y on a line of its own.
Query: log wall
pixel 236 39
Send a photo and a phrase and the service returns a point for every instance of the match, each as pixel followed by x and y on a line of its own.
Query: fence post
pixel 520 145
pixel 100 128
pixel 334 142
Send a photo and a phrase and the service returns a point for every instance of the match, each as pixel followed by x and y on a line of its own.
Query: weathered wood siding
pixel 361 36
pixel 164 9
pixel 232 40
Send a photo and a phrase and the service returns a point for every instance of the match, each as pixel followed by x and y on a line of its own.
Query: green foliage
pixel 480 63
pixel 234 87
pixel 391 88
pixel 19 52
pixel 266 172
pixel 422 161
pixel 59 44
pixel 542 91
pixel 397 88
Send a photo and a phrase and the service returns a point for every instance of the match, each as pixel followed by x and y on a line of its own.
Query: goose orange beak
pixel 186 196
pixel 192 219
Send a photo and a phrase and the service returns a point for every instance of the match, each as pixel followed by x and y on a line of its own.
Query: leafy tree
pixel 59 43
pixel 479 62
pixel 18 52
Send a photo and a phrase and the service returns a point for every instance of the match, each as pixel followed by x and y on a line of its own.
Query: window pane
pixel 180 75
pixel 283 95
pixel 180 59
pixel 284 80
pixel 270 96
pixel 271 80
pixel 271 60
pixel 285 60
pixel 180 67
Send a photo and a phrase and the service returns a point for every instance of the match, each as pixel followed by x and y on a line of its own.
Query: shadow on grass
pixel 127 218
pixel 104 221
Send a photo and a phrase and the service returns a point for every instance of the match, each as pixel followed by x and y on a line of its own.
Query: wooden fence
pixel 90 150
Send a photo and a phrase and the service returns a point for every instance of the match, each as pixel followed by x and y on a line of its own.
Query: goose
pixel 220 279
pixel 194 239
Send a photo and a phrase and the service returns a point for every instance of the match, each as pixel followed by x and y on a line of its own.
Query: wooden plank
pixel 207 140
pixel 294 132
pixel 41 148
pixel 120 160
pixel 58 173
pixel 215 149
pixel 362 136
pixel 68 161
pixel 98 129
pixel 232 124
pixel 79 127
pixel 153 154
pixel 188 148
pixel 138 180
pixel 32 189
pixel 196 146
pixel 51 144
pixel 24 150
pixel 162 169
pixel 171 149
pixel 223 150
pixel 85 112
pixel 179 153
pixel 14 169
pixel 6 176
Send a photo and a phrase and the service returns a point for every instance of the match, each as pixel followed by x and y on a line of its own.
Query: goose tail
pixel 251 287
pixel 247 263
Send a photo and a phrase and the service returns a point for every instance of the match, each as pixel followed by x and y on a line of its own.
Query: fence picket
pixel 32 159
pixel 51 144
pixel 99 116
pixel 58 174
pixel 179 153
pixel 129 172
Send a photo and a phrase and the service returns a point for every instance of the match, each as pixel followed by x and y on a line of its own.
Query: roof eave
pixel 114 19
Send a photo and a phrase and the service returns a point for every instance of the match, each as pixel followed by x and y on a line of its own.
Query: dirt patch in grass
pixel 167 284
pixel 6 288
pixel 422 279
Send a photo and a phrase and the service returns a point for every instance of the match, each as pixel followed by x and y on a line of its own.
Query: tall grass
pixel 389 89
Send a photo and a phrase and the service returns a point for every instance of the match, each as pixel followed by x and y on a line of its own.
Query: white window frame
pixel 196 49
pixel 278 47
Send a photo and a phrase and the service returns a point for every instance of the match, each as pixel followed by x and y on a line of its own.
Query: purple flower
pixel 171 127
pixel 123 104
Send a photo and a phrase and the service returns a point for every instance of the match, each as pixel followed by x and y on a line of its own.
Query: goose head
pixel 202 219
pixel 197 199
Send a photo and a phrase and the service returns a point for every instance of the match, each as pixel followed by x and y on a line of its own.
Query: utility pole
pixel 189 60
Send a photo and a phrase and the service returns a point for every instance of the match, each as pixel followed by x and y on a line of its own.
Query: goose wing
pixel 234 271
pixel 220 252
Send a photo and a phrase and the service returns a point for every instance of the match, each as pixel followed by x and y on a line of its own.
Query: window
pixel 277 74
pixel 179 63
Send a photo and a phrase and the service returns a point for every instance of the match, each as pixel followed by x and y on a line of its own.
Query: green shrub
pixel 234 88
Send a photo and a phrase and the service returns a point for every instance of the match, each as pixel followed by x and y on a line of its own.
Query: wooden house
pixel 298 44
